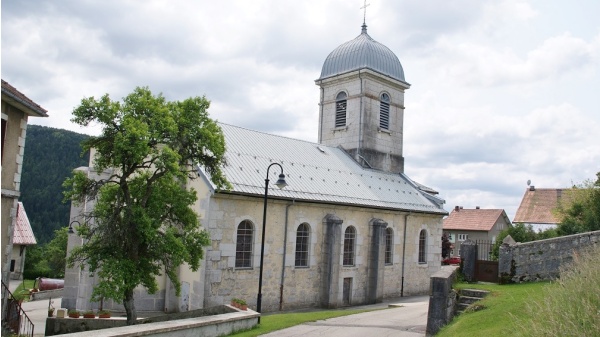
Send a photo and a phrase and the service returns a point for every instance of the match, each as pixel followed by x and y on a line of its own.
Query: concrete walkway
pixel 407 317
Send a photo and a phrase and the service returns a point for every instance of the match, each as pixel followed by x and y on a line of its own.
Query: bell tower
pixel 361 107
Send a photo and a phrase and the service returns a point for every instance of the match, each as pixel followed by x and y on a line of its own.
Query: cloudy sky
pixel 502 91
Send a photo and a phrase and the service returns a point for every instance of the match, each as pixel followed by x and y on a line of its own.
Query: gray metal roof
pixel 314 173
pixel 360 53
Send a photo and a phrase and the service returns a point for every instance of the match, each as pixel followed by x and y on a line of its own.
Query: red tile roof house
pixel 16 111
pixel 538 205
pixel 22 237
pixel 475 224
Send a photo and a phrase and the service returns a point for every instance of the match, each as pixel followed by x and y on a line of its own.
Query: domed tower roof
pixel 363 52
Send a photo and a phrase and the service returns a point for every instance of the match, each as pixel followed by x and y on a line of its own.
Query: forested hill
pixel 50 157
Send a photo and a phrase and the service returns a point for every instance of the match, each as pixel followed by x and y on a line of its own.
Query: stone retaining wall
pixel 46 294
pixel 218 321
pixel 540 260
pixel 442 299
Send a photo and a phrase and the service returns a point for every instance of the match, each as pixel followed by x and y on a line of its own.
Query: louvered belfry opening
pixel 384 112
pixel 340 109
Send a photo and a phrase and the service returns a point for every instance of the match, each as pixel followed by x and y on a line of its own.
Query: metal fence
pixel 14 318
pixel 484 250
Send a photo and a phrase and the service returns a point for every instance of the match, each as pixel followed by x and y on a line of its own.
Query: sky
pixel 502 91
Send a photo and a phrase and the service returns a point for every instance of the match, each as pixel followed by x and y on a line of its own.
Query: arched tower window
pixel 388 245
pixel 340 109
pixel 243 245
pixel 349 239
pixel 384 111
pixel 302 241
pixel 423 246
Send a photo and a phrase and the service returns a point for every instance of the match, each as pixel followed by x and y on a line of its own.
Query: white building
pixel 350 227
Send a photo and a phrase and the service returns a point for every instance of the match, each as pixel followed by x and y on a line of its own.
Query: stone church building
pixel 349 228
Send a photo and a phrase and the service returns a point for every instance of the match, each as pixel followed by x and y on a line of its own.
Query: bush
pixel 570 305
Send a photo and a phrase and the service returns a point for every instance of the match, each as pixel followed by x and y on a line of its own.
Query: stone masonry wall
pixel 541 260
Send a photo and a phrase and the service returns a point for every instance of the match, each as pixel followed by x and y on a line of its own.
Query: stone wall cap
pixel 445 272
pixel 509 241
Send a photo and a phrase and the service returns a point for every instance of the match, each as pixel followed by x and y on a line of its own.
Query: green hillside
pixel 50 157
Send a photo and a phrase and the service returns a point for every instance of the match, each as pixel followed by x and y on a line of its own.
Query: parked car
pixel 453 260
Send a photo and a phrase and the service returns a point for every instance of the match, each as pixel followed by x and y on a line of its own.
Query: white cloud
pixel 502 91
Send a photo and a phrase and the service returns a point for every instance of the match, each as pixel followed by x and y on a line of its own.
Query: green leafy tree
pixel 142 224
pixel 520 232
pixel 56 252
pixel 47 260
pixel 580 209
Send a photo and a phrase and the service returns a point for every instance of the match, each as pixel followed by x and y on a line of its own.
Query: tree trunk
pixel 130 307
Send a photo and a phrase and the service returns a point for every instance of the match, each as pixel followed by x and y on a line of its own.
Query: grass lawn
pixel 505 310
pixel 22 291
pixel 276 322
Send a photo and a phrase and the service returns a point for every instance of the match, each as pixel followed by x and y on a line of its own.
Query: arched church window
pixel 349 239
pixel 423 246
pixel 302 240
pixel 340 109
pixel 243 245
pixel 384 111
pixel 388 245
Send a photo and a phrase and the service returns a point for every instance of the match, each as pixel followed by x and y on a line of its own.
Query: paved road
pixel 406 318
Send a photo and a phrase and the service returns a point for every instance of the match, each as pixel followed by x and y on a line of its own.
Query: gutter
pixel 360 116
pixel 403 253
pixel 287 209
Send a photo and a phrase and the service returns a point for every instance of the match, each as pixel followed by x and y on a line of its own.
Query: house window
pixel 243 246
pixel 388 245
pixel 423 246
pixel 384 111
pixel 349 239
pixel 463 237
pixel 340 109
pixel 302 237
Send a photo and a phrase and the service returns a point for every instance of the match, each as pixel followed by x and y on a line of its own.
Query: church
pixel 349 228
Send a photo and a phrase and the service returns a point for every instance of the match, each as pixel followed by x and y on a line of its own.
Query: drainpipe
pixel 321 114
pixel 403 254
pixel 287 208
pixel 360 115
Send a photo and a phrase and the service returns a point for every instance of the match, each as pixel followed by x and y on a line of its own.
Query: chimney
pixel 532 188
pixel 477 207
pixel 456 208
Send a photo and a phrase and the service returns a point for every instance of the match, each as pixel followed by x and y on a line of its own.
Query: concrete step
pixel 474 293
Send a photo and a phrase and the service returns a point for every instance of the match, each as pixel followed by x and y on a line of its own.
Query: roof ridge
pixel 273 135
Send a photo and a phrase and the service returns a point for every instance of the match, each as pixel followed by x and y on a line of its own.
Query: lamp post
pixel 71 231
pixel 281 184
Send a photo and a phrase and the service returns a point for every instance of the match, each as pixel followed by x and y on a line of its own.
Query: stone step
pixel 462 306
pixel 468 299
pixel 474 293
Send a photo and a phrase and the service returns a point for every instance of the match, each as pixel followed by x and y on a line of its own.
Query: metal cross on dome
pixel 365 11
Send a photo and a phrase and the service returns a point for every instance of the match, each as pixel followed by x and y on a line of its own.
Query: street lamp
pixel 281 184
pixel 71 231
